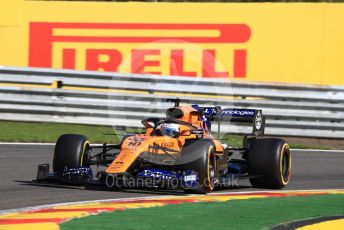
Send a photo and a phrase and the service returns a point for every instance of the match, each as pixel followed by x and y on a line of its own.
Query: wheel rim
pixel 212 173
pixel 84 156
pixel 285 165
pixel 211 176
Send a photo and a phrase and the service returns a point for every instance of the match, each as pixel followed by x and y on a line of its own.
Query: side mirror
pixel 185 133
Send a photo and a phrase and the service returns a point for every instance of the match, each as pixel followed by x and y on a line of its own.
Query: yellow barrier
pixel 297 43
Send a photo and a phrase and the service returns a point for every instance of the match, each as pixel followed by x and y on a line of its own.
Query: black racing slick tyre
pixel 204 164
pixel 70 152
pixel 270 160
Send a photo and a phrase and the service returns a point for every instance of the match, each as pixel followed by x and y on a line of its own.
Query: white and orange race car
pixel 175 152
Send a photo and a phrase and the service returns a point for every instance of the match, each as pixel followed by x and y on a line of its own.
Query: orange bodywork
pixel 134 145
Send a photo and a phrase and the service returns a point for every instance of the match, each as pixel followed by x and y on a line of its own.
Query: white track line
pixel 23 143
pixel 40 207
pixel 319 150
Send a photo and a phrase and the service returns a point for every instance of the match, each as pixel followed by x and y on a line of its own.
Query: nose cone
pixel 133 147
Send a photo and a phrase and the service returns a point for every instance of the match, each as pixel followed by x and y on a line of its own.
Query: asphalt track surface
pixel 18 166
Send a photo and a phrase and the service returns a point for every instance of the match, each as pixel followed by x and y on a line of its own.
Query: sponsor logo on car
pixel 169 49
pixel 190 178
pixel 230 112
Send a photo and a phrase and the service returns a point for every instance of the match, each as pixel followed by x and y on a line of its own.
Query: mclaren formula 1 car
pixel 175 152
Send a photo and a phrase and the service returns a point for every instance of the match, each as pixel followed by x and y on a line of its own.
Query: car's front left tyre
pixel 204 163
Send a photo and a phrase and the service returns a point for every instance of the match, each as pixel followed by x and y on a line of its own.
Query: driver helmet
pixel 169 129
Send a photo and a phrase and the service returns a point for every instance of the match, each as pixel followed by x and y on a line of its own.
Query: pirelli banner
pixel 295 43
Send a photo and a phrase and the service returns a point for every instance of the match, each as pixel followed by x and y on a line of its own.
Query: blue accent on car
pixel 230 112
pixel 158 174
pixel 239 112
pixel 72 173
pixel 236 168
pixel 190 179
pixel 204 118
pixel 207 122
pixel 195 107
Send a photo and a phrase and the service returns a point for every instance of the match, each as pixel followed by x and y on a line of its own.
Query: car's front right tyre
pixel 70 152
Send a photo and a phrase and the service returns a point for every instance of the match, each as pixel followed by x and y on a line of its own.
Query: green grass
pixel 49 132
pixel 236 141
pixel 300 146
pixel 235 214
pixel 13 131
pixel 231 139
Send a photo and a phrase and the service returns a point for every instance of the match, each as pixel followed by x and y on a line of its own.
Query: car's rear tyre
pixel 270 160
pixel 70 152
pixel 204 164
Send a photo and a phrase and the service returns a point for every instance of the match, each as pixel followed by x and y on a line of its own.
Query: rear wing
pixel 252 116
